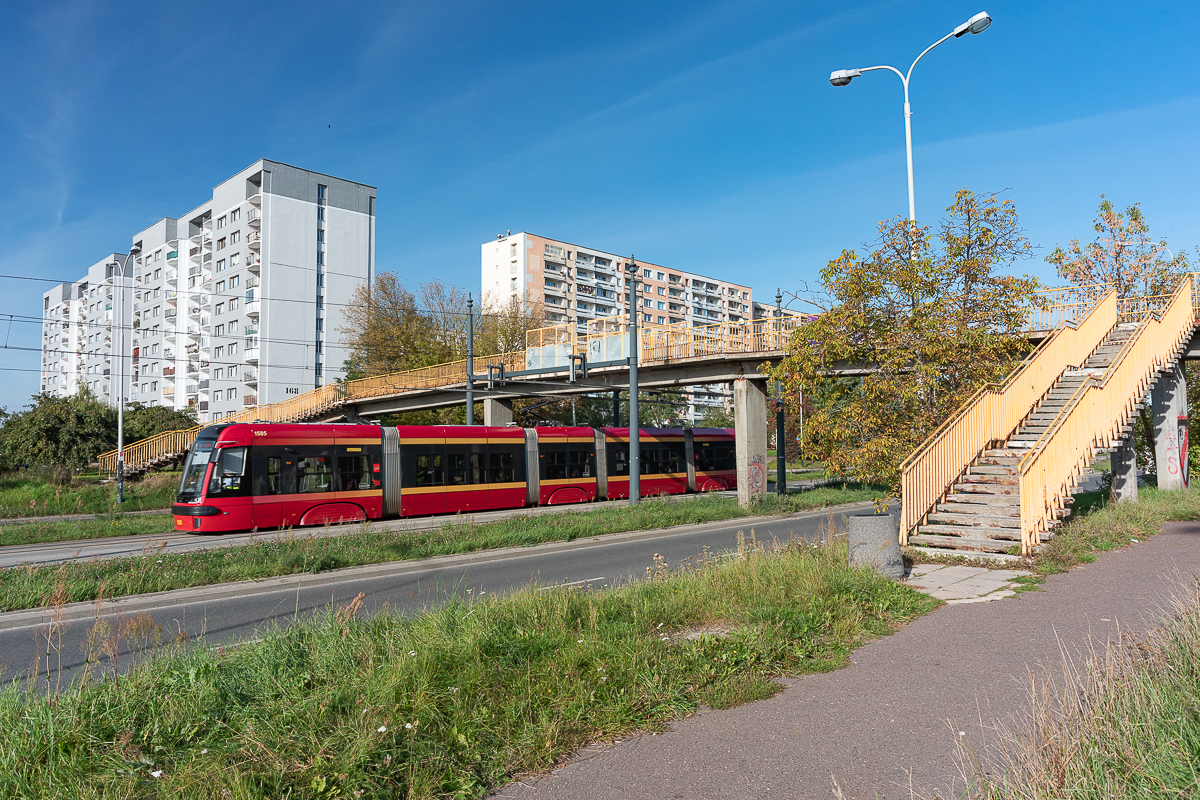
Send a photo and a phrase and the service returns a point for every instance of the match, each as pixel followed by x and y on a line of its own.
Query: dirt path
pixel 898 709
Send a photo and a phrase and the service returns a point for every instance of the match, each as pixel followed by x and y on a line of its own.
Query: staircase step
pixel 992 511
pixel 975 521
pixel 980 498
pixel 1007 479
pixel 1009 490
pixel 1002 453
pixel 995 469
pixel 972 532
pixel 961 543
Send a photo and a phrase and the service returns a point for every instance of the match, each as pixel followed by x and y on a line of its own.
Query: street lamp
pixel 842 77
pixel 119 314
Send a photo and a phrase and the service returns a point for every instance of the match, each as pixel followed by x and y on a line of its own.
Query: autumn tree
pixel 1123 254
pixel 388 328
pixel 927 317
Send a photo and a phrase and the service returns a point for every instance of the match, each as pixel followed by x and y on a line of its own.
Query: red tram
pixel 245 476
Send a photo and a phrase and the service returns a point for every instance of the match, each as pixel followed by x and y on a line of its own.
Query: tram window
pixel 651 461
pixel 229 475
pixel 315 473
pixel 456 469
pixel 478 473
pixel 556 464
pixel 674 458
pixel 581 463
pixel 354 472
pixel 273 474
pixel 502 468
pixel 620 462
pixel 429 470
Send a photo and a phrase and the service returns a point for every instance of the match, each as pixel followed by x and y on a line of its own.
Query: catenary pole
pixel 635 455
pixel 780 447
pixel 470 360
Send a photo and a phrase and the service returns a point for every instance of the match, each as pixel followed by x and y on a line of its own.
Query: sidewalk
pixel 897 710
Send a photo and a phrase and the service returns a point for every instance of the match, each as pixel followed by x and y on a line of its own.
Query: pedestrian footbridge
pixel 995 478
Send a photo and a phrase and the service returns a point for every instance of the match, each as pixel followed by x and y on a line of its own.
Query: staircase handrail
pixel 994 411
pixel 1093 415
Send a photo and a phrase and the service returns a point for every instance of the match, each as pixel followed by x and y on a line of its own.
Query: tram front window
pixel 192 483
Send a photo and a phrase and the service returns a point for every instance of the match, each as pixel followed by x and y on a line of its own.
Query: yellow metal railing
pixel 1064 304
pixel 995 411
pixel 1093 417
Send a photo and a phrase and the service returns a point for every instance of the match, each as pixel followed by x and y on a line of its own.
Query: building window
pixel 218 352
pixel 320 327
pixel 235 281
pixel 220 223
pixel 235 259
pixel 221 243
pixel 660 276
pixel 233 304
pixel 157 274
pixel 661 320
pixel 220 264
pixel 233 349
pixel 219 330
pixel 661 290
pixel 220 286
pixel 647 318
pixel 320 234
pixel 661 305
pixel 646 302
pixel 220 309
pixel 235 237
pixel 231 394
pixel 321 194
pixel 320 258
pixel 320 302
pixel 233 326
pixel 320 213
pixel 218 373
pixel 235 215
pixel 512 250
pixel 645 273
pixel 513 284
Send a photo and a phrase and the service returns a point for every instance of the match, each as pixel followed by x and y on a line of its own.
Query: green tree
pixel 929 318
pixel 59 432
pixel 142 421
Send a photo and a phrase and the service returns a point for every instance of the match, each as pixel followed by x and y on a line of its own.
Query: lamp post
pixel 780 448
pixel 470 360
pixel 842 77
pixel 635 444
pixel 119 329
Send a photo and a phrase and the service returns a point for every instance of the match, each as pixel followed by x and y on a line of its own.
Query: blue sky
pixel 702 135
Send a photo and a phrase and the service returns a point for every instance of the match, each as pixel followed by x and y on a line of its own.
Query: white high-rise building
pixel 235 303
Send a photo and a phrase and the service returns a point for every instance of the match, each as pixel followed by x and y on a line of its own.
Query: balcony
pixel 168 372
pixel 255 199
pixel 250 400
pixel 253 217
pixel 173 258
pixel 203 405
pixel 254 264
pixel 254 240
pixel 251 355
pixel 172 275
pixel 168 391
pixel 207 259
pixel 250 377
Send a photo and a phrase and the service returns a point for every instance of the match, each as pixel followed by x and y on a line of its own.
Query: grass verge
pixel 25 494
pixel 448 704
pixel 117 524
pixel 295 552
pixel 1123 725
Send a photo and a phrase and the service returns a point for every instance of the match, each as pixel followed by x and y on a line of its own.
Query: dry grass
pixel 1123 724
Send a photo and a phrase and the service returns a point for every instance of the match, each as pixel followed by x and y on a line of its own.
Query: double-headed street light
pixel 842 77
pixel 119 336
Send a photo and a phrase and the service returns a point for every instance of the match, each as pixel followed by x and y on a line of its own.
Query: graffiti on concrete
pixel 758 475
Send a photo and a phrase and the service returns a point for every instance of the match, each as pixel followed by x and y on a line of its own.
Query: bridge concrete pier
pixel 1124 471
pixel 750 424
pixel 1169 404
pixel 1170 413
pixel 497 411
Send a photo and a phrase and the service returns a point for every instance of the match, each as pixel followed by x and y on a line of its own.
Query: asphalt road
pixel 233 612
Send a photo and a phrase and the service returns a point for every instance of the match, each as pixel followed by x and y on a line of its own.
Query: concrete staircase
pixel 981 514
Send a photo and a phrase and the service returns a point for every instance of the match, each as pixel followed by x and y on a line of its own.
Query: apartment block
pixel 577 284
pixel 233 304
